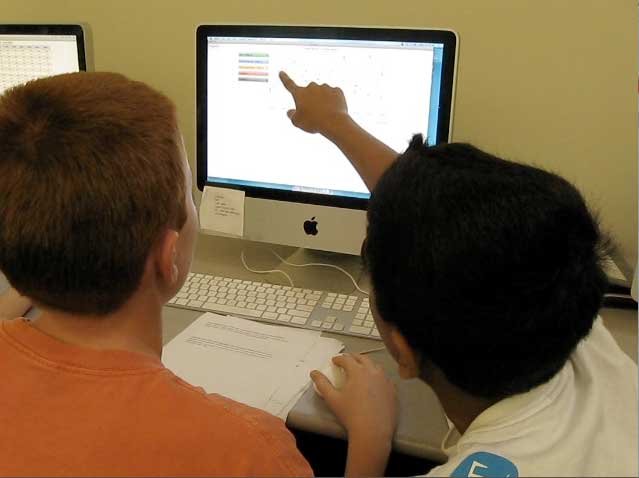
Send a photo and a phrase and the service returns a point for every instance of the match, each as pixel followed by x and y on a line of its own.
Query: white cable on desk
pixel 320 264
pixel 290 281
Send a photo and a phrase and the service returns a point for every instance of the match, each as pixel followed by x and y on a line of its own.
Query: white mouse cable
pixel 320 264
pixel 290 281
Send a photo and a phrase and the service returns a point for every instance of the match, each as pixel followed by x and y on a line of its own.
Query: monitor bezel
pixel 51 29
pixel 446 37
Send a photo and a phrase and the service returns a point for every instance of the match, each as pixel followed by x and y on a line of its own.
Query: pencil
pixel 377 349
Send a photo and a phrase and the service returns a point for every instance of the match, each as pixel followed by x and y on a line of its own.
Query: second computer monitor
pixel 28 52
pixel 300 189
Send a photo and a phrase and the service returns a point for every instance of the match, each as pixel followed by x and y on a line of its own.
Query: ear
pixel 166 258
pixel 407 359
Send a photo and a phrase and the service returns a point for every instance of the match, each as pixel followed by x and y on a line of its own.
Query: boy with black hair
pixel 487 281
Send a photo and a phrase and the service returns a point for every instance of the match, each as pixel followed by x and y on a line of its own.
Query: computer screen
pixel 397 82
pixel 28 52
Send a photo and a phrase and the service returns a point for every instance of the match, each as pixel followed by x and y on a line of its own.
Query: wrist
pixel 375 444
pixel 338 127
pixel 367 455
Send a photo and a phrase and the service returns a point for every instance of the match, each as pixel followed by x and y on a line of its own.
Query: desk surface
pixel 421 425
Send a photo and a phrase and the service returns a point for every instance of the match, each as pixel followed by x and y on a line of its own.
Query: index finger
pixel 288 83
pixel 346 361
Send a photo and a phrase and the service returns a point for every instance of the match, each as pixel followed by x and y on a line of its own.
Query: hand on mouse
pixel 366 404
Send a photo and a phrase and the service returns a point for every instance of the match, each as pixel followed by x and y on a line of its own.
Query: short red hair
pixel 90 175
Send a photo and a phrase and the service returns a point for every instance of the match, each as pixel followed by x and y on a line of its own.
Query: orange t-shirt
pixel 68 410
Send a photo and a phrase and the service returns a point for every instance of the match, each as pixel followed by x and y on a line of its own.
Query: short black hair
pixel 490 269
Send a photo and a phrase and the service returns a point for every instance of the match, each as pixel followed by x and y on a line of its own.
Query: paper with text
pixel 222 211
pixel 261 365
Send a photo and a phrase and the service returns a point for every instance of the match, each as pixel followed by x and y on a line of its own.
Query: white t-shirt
pixel 583 422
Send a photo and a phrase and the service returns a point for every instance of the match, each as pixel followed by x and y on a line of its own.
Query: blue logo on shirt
pixel 484 464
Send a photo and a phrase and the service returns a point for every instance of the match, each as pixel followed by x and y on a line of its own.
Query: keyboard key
pixel 348 308
pixel 282 310
pixel 326 325
pixel 338 327
pixel 375 333
pixel 357 321
pixel 182 301
pixel 330 319
pixel 229 309
pixel 360 330
pixel 360 316
pixel 316 323
pixel 337 306
pixel 284 318
pixel 270 315
pixel 299 320
pixel 299 313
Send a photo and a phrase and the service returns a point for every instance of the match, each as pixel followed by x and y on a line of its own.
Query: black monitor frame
pixel 52 29
pixel 446 37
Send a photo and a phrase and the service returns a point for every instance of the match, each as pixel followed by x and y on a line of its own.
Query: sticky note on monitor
pixel 222 211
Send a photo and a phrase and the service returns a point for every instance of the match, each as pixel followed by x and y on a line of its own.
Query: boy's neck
pixel 135 327
pixel 460 407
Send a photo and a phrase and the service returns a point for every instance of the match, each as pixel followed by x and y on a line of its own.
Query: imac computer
pixel 28 52
pixel 299 188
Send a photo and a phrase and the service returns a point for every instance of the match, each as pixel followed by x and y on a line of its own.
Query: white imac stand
pixel 309 226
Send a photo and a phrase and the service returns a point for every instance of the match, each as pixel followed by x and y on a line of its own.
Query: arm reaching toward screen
pixel 12 304
pixel 322 109
pixel 366 405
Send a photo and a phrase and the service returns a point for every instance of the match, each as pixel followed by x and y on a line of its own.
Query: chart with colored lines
pixel 253 66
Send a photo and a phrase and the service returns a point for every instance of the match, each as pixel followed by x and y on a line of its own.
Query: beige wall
pixel 548 82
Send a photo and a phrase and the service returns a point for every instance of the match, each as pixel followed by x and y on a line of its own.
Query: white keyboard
pixel 306 308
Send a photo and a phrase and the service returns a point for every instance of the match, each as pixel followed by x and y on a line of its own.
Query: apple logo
pixel 310 227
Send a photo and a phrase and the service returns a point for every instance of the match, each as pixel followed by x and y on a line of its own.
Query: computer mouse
pixel 335 375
